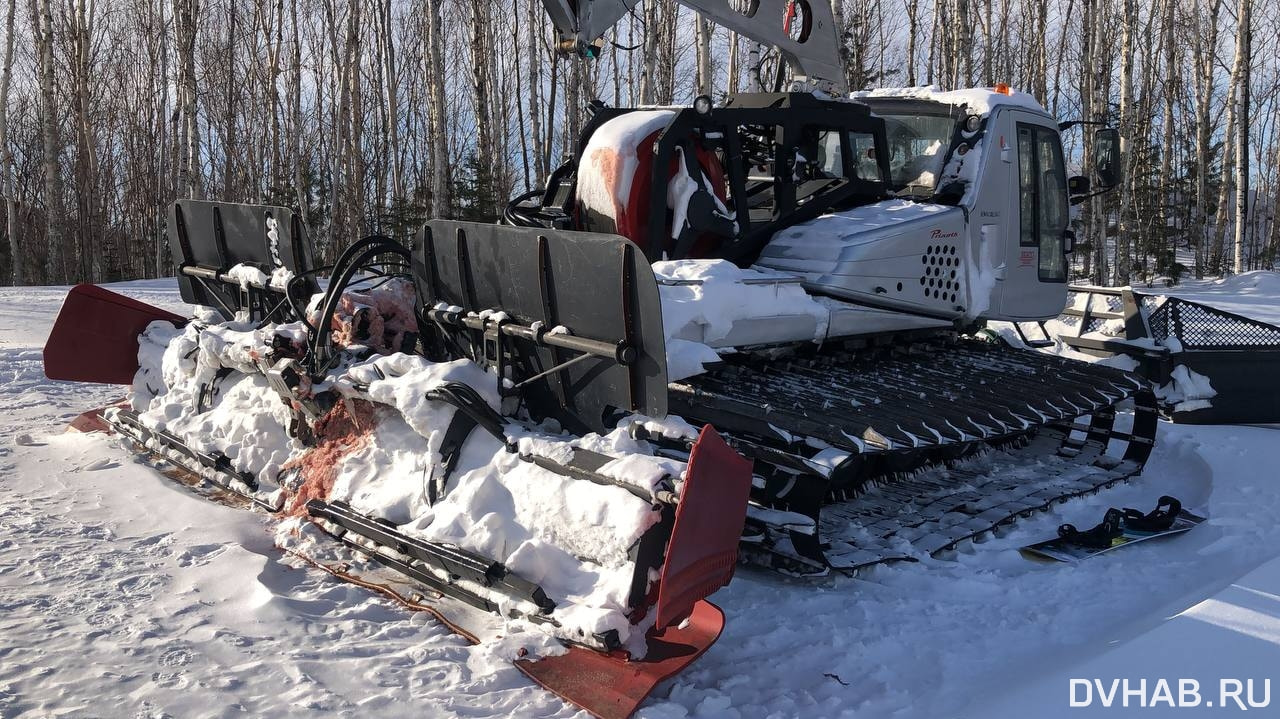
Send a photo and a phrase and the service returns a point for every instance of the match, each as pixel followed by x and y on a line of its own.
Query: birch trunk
pixel 275 43
pixel 1243 62
pixel 702 33
pixel 913 30
pixel 540 169
pixel 92 261
pixel 231 151
pixel 56 261
pixel 190 172
pixel 167 130
pixel 649 80
pixel 8 187
pixel 1172 80
pixel 393 103
pixel 441 203
pixel 734 77
pixel 1204 57
pixel 1123 260
pixel 1229 160
pixel 483 111
pixel 295 131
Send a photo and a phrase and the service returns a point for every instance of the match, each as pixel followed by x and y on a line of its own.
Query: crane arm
pixel 804 31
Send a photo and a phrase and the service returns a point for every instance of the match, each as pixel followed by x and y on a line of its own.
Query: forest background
pixel 371 115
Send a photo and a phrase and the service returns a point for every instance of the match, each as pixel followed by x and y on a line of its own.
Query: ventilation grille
pixel 940 274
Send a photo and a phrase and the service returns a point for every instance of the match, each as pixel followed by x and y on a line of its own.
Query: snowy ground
pixel 123 595
pixel 1250 294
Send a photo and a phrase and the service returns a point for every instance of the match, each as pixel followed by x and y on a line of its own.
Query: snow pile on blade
pixel 1187 390
pixel 201 384
pixel 379 448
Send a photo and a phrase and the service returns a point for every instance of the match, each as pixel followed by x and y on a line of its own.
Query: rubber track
pixel 913 417
pixel 930 395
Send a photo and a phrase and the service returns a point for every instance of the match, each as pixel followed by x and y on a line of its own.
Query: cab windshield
pixel 918 144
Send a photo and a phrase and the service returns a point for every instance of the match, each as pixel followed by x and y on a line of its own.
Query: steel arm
pixel 813 54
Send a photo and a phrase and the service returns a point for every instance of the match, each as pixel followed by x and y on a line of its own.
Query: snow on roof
pixel 1255 295
pixel 979 100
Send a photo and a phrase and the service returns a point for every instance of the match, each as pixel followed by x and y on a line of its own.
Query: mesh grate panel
pixel 1198 326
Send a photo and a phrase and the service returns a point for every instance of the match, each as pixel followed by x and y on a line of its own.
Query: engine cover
pixel 894 254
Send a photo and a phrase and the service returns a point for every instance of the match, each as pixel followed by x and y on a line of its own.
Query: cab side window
pixel 864 156
pixel 862 148
pixel 1043 210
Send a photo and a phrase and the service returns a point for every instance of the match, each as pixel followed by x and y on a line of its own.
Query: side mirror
pixel 1106 158
pixel 1078 185
pixel 1068 241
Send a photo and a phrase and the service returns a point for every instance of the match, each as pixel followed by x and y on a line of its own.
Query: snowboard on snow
pixel 1061 550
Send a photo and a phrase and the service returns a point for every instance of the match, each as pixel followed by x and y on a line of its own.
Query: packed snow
pixel 707 304
pixel 1216 647
pixel 704 298
pixel 123 593
pixel 1187 390
pixel 978 100
pixel 1249 294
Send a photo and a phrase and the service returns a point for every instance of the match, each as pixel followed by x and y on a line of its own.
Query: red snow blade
pixel 701 555
pixel 704 541
pixel 95 338
pixel 92 420
pixel 610 687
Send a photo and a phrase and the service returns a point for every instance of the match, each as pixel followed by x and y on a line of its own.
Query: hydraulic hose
pixel 349 263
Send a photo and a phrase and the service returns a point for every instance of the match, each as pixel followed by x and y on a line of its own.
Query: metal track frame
pixel 913 484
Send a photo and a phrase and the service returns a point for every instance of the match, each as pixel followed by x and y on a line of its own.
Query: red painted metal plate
pixel 703 549
pixel 92 420
pixel 610 687
pixel 95 338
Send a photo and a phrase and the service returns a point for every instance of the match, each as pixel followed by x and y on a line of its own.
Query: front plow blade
pixel 704 541
pixel 95 338
pixel 610 687
pixel 700 559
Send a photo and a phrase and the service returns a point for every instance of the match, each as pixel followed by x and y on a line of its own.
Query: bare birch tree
pixel 57 256
pixel 8 186
pixel 190 171
pixel 438 144
pixel 1243 63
